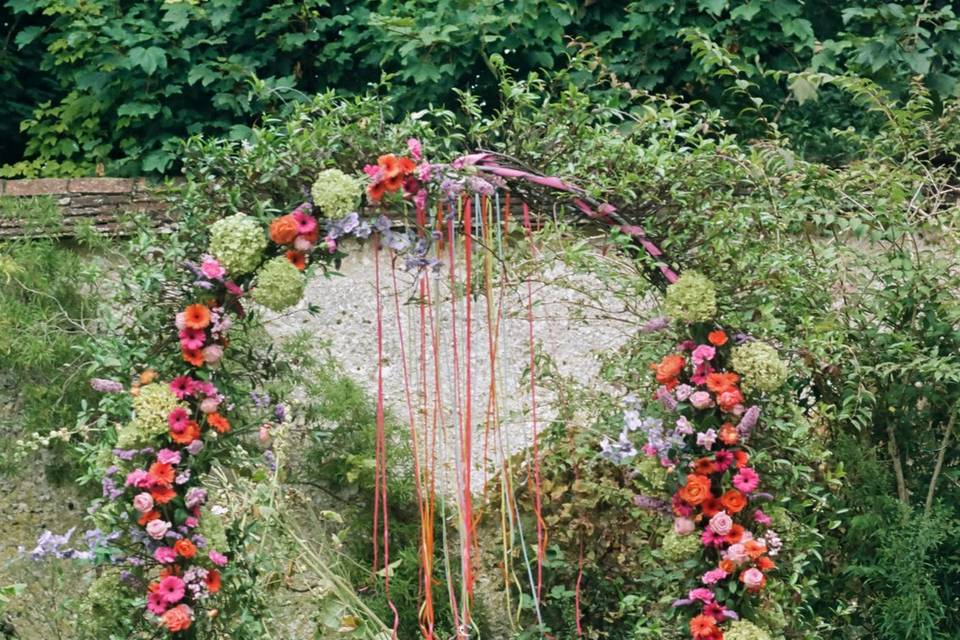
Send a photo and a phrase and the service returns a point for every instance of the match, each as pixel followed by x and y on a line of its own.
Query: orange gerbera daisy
pixel 149 516
pixel 218 422
pixel 703 627
pixel 161 474
pixel 185 548
pixel 742 458
pixel 736 534
pixel 711 507
pixel 197 316
pixel 703 466
pixel 188 435
pixel 376 191
pixel 193 356
pixel 722 382
pixel 754 548
pixel 297 259
pixel 765 564
pixel 163 495
pixel 213 581
pixel 727 565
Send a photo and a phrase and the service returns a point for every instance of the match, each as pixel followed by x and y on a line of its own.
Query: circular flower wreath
pixel 705 411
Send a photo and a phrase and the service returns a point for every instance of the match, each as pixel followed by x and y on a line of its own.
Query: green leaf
pixel 714 7
pixel 149 59
pixel 27 36
pixel 138 109
pixel 803 90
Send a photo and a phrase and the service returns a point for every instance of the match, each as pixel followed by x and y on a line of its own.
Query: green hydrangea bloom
pixel 150 410
pixel 279 285
pixel 106 604
pixel 211 528
pixel 691 298
pixel 335 193
pixel 745 630
pixel 238 242
pixel 760 366
pixel 676 548
pixel 652 473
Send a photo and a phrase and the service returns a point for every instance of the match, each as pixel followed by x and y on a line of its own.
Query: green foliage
pixel 118 85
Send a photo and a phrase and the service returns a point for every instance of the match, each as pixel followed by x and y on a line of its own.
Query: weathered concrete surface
pixel 570 327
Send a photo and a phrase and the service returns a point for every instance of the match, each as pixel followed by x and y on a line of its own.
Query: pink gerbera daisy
pixel 156 604
pixel 723 459
pixel 192 338
pixel 178 419
pixel 182 386
pixel 171 589
pixel 710 538
pixel 306 224
pixel 746 480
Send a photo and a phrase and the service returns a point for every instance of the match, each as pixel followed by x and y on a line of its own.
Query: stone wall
pixel 98 202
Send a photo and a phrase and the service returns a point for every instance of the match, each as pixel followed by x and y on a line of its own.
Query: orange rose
pixel 669 368
pixel 696 490
pixel 717 338
pixel 729 399
pixel 178 618
pixel 733 501
pixel 283 230
pixel 721 382
pixel 727 565
pixel 729 434
pixel 185 548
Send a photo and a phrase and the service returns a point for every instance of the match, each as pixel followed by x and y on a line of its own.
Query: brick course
pixel 96 201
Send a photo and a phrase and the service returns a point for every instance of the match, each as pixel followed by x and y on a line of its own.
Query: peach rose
pixel 284 229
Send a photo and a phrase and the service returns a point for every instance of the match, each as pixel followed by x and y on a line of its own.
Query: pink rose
pixel 265 432
pixel 212 269
pixel 191 522
pixel 736 553
pixel 753 579
pixel 165 555
pixel 683 526
pixel 168 456
pixel 143 502
pixel 702 594
pixel 702 353
pixel 713 576
pixel 721 523
pixel 209 405
pixel 218 558
pixel 137 478
pixel 212 353
pixel 156 529
pixel 701 400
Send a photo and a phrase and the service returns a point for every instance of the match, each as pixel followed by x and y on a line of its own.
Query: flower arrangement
pixel 701 417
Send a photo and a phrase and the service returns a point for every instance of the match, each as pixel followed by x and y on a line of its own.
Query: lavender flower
pixel 748 422
pixel 619 452
pixel 651 504
pixel 106 386
pixel 270 460
pixel 655 324
pixel 280 413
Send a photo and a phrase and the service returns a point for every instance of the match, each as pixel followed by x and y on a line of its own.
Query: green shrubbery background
pixel 97 82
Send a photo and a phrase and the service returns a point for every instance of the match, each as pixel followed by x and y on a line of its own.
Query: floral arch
pixel 708 394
